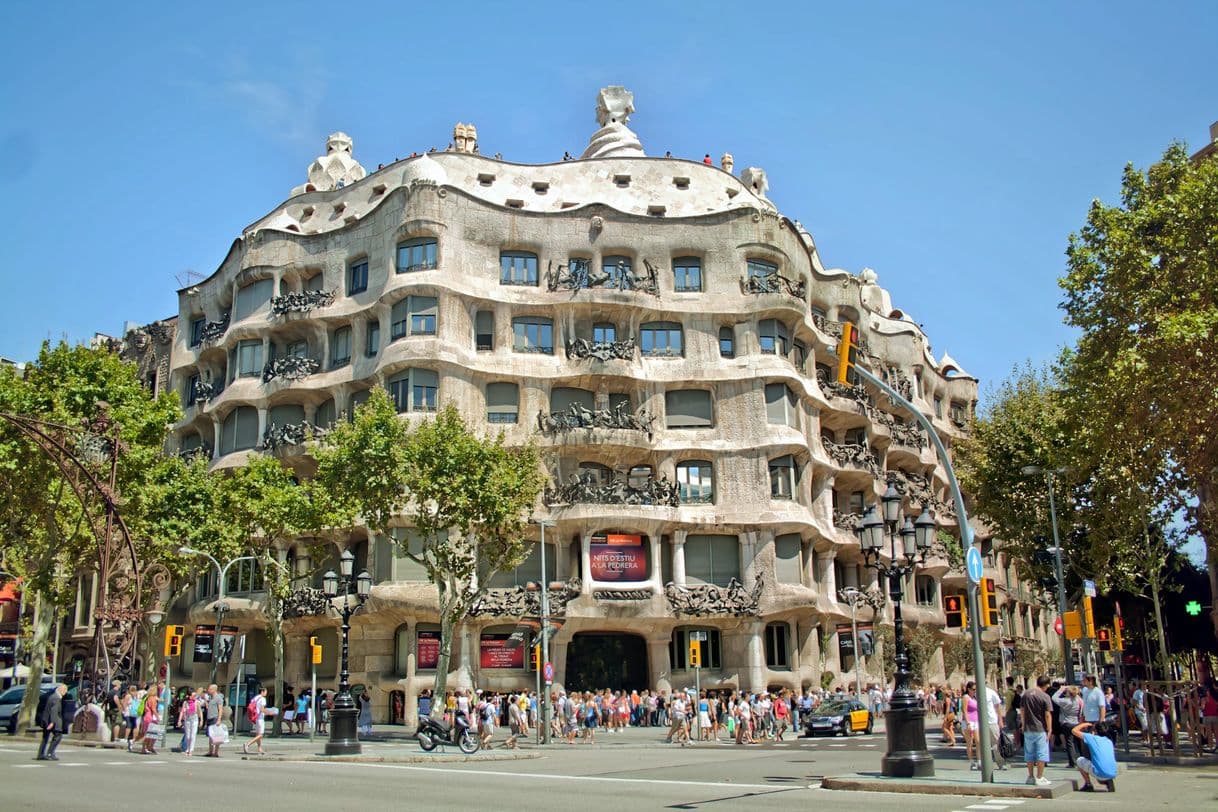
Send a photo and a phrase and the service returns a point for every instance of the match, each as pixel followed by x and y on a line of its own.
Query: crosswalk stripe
pixel 28 766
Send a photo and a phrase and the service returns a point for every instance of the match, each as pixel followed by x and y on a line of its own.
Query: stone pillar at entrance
pixel 558 656
pixel 585 564
pixel 658 663
pixel 678 557
pixel 754 677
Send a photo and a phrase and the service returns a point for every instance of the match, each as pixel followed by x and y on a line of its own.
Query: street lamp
pixel 907 756
pixel 344 737
pixel 1050 473
pixel 221 606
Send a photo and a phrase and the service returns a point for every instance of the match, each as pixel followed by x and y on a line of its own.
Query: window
pixel 372 337
pixel 780 405
pixel 358 399
pixel 604 333
pixel 484 331
pixel 533 334
pixel 687 274
pixel 760 269
pixel 619 401
pixel 296 349
pixel 502 402
pixel 958 412
pixel 325 416
pixel 251 297
pixel 661 338
pixel 286 414
pixel 688 409
pixel 776 645
pixel 357 277
pixel 249 358
pixel 196 330
pixel 727 342
pixel 192 390
pixel 711 559
pixel 418 254
pixel 774 338
pixel 597 473
pixel 414 315
pixel 856 436
pixel 315 282
pixel 846 575
pixel 787 565
pixel 340 347
pixel 517 268
pixel 696 482
pixel 239 430
pixel 938 407
pixel 191 442
pixel 782 478
pixel 527 570
pixel 414 390
pixel 562 398
pixel 678 648
pixel 927 590
pixel 617 268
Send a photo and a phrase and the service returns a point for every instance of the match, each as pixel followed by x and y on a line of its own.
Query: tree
pixel 468 497
pixel 48 539
pixel 1142 286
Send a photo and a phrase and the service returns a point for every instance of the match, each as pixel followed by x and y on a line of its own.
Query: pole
pixel 1067 654
pixel 313 698
pixel 543 697
pixel 854 631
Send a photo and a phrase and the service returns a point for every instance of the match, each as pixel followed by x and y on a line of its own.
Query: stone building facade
pixel 660 329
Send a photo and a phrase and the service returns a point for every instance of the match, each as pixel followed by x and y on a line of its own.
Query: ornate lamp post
pixel 907 756
pixel 344 738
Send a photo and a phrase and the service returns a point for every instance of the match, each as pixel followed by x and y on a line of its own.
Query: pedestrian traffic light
pixel 1073 624
pixel 173 640
pixel 989 603
pixel 1104 638
pixel 955 611
pixel 537 656
pixel 847 353
pixel 1118 638
pixel 315 651
pixel 695 653
pixel 1088 618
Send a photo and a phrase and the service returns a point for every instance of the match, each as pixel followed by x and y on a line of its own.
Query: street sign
pixel 1089 589
pixel 548 673
pixel 973 559
pixel 1057 626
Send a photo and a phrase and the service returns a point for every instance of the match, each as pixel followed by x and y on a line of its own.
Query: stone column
pixel 748 552
pixel 410 711
pixel 558 656
pixel 656 582
pixel 678 556
pixel 659 665
pixel 262 415
pixel 217 429
pixel 561 564
pixel 754 674
pixel 585 560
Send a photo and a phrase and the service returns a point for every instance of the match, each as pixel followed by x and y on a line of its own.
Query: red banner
pixel 428 649
pixel 494 652
pixel 618 557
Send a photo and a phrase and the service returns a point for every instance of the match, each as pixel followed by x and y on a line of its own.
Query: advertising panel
pixel 428 647
pixel 495 651
pixel 205 648
pixel 618 557
pixel 845 640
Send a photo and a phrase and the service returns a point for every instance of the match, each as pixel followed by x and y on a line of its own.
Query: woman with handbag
pixel 152 721
pixel 189 715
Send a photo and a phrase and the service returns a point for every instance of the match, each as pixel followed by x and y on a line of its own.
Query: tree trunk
pixel 1207 523
pixel 44 620
pixel 446 643
pixel 1154 596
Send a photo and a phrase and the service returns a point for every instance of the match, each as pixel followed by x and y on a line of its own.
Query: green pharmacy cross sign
pixel 1193 608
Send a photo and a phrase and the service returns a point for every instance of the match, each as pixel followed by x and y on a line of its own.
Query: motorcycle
pixel 435 732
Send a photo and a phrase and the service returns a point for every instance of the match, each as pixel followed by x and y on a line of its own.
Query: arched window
pixel 774 337
pixel 927 590
pixel 696 482
pixel 727 341
pixel 286 414
pixel 325 415
pixel 782 478
pixel 712 559
pixel 418 254
pixel 357 276
pixel 661 339
pixel 251 297
pixel 340 347
pixel 533 334
pixel 688 409
pixel 780 405
pixel 562 398
pixel 616 268
pixel 414 390
pixel 502 402
pixel 760 270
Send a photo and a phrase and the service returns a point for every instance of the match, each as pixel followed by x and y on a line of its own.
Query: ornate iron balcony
pixel 577 274
pixel 587 488
pixel 855 455
pixel 292 368
pixel 301 302
pixel 214 330
pixel 581 417
pixel 773 283
pixel 709 599
pixel 602 350
pixel 277 436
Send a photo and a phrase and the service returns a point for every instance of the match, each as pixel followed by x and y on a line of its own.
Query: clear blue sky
pixel 952 147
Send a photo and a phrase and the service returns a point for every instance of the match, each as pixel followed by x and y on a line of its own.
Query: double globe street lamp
pixel 344 738
pixel 907 756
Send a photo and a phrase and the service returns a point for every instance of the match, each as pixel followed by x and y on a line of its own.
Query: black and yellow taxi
pixel 844 716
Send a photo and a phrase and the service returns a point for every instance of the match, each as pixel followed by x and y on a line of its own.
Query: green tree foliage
pixel 1142 287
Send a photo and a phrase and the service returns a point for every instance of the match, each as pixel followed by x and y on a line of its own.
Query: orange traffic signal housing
pixel 956 611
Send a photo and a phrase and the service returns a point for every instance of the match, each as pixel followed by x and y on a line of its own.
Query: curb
pixel 871 783
pixel 317 758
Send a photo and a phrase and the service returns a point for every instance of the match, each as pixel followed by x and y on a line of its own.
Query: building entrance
pixel 597 660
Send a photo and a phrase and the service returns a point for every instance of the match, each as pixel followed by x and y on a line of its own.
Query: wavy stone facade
pixel 662 331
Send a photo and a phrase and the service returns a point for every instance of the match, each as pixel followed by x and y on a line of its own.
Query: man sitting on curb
pixel 1102 762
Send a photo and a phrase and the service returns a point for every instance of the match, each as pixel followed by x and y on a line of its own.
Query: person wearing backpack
pixel 255 712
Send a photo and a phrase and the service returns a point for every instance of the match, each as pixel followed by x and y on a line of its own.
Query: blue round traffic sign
pixel 973 560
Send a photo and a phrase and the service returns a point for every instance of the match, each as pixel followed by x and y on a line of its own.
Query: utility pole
pixel 543 698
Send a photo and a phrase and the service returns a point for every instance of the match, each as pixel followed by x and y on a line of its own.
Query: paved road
pixel 584 778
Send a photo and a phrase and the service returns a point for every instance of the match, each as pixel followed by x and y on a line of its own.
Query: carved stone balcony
pixel 602 351
pixel 520 602
pixel 578 274
pixel 908 434
pixel 277 436
pixel 581 417
pixel 855 455
pixel 292 368
pixel 301 302
pixel 773 283
pixel 588 488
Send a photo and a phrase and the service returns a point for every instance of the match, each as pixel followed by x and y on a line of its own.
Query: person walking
pixel 1095 709
pixel 50 721
pixel 153 728
pixel 969 721
pixel 189 715
pixel 1036 717
pixel 1070 710
pixel 256 713
pixel 365 714
pixel 213 708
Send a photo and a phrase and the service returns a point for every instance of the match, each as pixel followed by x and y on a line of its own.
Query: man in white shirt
pixel 677 727
pixel 257 721
pixel 1094 706
pixel 994 706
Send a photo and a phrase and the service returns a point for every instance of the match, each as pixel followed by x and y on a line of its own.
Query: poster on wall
pixel 428 648
pixel 228 641
pixel 845 640
pixel 496 652
pixel 618 557
pixel 204 636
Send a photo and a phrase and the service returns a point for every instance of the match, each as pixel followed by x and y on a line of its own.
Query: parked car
pixel 10 704
pixel 839 716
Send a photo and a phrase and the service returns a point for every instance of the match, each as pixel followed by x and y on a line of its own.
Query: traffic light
pixel 955 611
pixel 1118 638
pixel 989 603
pixel 173 640
pixel 314 651
pixel 1088 618
pixel 537 656
pixel 695 654
pixel 1073 625
pixel 1104 637
pixel 847 353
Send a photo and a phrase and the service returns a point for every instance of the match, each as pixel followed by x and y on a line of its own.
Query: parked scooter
pixel 433 732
